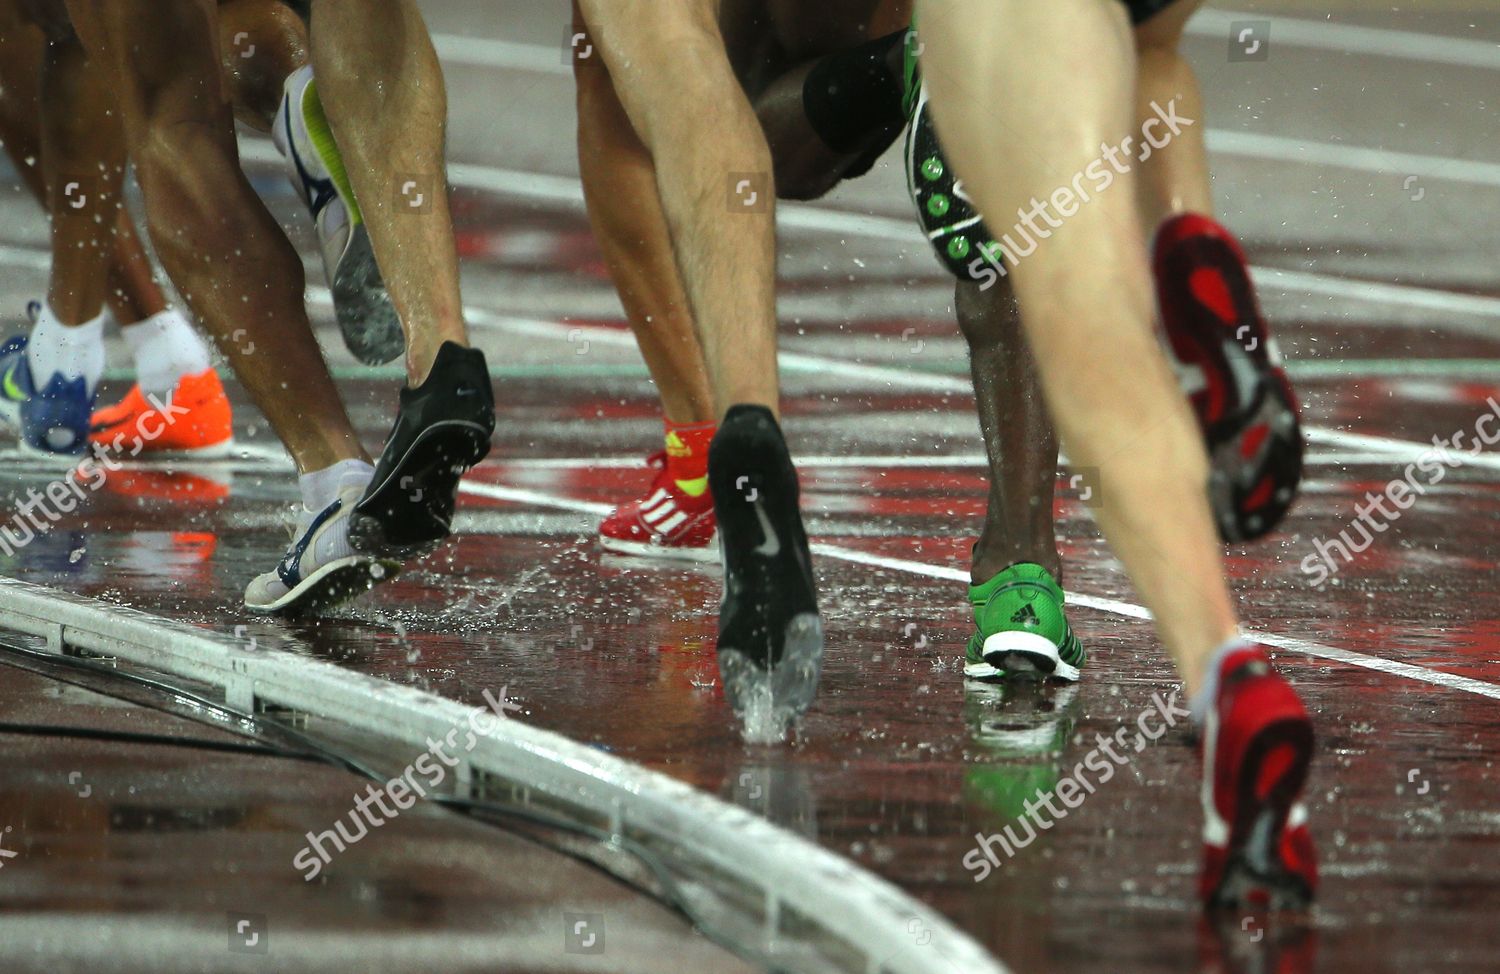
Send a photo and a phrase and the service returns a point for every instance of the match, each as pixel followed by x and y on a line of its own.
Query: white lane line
pixel 1400 451
pixel 1377 292
pixel 1113 606
pixel 1116 607
pixel 1351 39
pixel 1214 24
pixel 621 338
pixel 568 190
pixel 506 55
pixel 520 495
pixel 1337 155
pixel 879 461
pixel 31 258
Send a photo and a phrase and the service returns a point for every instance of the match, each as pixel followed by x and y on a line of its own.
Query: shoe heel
pixel 409 513
pixel 767 701
pixel 1254 873
pixel 1027 653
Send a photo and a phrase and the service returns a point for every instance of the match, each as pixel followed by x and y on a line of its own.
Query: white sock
pixel 74 350
pixel 1208 694
pixel 321 487
pixel 166 348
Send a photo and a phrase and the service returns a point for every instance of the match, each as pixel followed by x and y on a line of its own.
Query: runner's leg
pixel 1108 386
pixel 382 90
pixel 213 235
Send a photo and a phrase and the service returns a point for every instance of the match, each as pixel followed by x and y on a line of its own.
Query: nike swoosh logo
pixel 771 547
pixel 13 391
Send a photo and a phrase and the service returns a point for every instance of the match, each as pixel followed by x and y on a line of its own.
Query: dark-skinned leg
pixel 1018 438
pixel 82 123
pixel 240 275
pixel 834 106
pixel 261 42
pixel 52 374
pixel 214 236
pixel 133 291
pixel 84 154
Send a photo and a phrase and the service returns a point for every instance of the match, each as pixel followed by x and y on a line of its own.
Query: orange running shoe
pixel 195 420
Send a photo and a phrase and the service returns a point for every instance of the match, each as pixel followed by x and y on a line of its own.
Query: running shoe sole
pixel 401 517
pixel 662 552
pixel 333 584
pixel 765 698
pixel 1256 471
pixel 371 327
pixel 1256 448
pixel 770 642
pixel 1253 873
pixel 1020 652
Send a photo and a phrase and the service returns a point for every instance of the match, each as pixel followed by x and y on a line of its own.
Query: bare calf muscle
pixel 1085 296
pixel 703 139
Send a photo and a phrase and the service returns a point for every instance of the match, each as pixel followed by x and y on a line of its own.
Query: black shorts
pixel 1143 10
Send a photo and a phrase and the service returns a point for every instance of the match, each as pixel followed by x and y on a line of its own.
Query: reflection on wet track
pixel 899 766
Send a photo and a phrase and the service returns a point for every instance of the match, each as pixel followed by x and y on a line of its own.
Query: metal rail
pixel 784 898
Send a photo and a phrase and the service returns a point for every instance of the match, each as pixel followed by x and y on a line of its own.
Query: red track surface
pixel 899 764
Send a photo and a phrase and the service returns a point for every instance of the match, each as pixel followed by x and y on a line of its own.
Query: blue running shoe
pixel 53 419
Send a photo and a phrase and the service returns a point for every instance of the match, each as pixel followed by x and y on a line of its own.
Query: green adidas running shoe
pixel 1022 628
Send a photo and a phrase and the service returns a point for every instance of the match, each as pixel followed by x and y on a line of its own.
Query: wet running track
pixel 1363 172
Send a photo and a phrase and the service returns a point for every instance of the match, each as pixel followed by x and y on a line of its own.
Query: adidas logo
pixel 1026 616
pixel 660 513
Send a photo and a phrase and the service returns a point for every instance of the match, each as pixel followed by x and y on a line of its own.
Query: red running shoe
pixel 1257 745
pixel 668 523
pixel 1234 377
